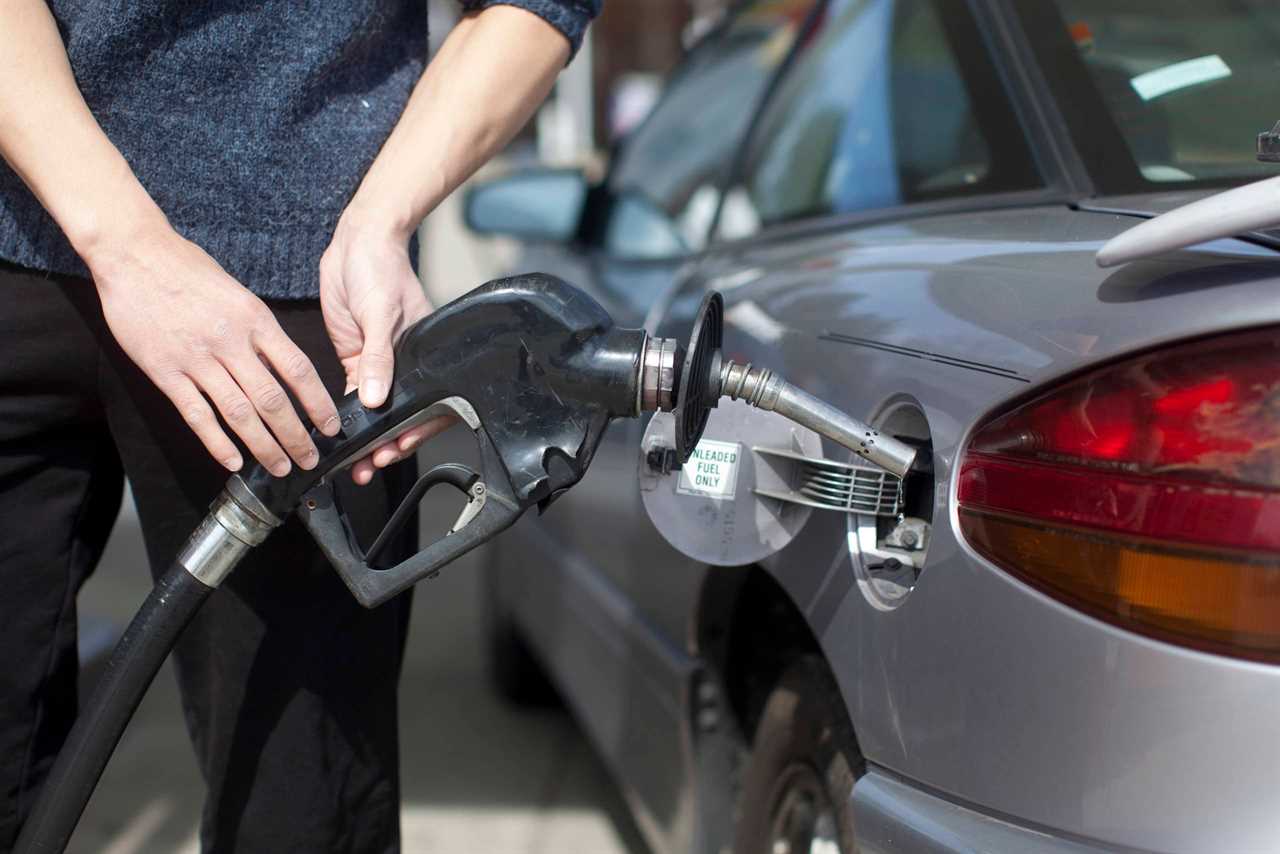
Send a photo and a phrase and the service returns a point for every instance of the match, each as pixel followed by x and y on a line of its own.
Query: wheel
pixel 804 760
pixel 514 671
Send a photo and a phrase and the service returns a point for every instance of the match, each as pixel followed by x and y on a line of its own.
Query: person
pixel 206 218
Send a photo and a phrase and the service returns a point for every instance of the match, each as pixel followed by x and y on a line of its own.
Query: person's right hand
pixel 196 333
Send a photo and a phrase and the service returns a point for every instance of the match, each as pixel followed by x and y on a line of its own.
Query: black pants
pixel 288 685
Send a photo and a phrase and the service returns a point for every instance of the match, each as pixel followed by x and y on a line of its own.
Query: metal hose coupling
pixel 763 389
pixel 237 522
pixel 659 361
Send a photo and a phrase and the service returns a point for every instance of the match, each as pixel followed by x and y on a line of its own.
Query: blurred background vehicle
pixel 1060 635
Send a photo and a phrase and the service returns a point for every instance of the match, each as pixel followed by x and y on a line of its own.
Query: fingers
pixel 242 417
pixel 274 408
pixel 381 457
pixel 408 441
pixel 293 366
pixel 362 472
pixel 402 447
pixel 377 358
pixel 195 410
pixel 399 448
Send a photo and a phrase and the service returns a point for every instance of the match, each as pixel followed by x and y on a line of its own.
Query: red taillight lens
pixel 1146 493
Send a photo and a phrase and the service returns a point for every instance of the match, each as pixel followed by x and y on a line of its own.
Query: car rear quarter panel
pixel 979 687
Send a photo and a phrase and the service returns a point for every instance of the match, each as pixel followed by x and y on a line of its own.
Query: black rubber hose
pixel 129 672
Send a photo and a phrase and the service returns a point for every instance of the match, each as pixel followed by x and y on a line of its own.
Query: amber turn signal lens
pixel 1205 599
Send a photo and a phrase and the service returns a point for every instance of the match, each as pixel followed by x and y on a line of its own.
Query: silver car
pixel 1061 632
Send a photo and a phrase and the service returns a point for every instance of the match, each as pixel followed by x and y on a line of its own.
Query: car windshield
pixel 1187 85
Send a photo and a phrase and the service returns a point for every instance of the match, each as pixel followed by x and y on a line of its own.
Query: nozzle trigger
pixel 491 508
pixel 458 476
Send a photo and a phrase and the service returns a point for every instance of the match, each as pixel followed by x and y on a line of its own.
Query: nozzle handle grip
pixel 371 585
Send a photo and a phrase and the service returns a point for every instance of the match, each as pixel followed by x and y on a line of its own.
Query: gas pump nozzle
pixel 537 370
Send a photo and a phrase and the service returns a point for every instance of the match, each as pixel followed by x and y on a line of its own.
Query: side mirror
pixel 538 204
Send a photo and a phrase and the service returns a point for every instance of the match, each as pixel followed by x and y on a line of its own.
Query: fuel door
pixel 709 508
pixel 750 485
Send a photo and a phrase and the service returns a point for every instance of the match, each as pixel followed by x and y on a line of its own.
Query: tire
pixel 804 761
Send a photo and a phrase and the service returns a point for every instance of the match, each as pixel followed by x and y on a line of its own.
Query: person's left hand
pixel 369 295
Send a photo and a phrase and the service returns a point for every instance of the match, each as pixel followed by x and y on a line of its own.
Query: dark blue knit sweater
pixel 250 124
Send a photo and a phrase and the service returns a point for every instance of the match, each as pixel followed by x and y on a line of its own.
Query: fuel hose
pixel 133 665
pixel 236 522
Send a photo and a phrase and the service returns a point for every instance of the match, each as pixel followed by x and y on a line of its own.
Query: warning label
pixel 712 470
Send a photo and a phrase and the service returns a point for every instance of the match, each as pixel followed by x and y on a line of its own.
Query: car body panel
pixel 992 716
pixel 978 687
pixel 892 817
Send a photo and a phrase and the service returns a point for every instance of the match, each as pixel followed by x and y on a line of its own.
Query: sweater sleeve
pixel 570 17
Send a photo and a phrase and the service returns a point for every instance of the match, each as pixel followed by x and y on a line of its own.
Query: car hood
pixel 1012 293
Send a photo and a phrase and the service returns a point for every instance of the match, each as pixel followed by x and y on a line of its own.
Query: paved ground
pixel 479 777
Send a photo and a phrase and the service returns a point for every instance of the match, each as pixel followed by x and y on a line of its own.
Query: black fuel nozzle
pixel 532 365
pixel 532 360
pixel 536 369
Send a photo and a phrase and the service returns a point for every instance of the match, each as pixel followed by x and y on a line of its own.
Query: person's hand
pixel 197 333
pixel 370 295
pixel 367 287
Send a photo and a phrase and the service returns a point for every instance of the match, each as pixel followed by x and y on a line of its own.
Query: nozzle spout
pixel 766 390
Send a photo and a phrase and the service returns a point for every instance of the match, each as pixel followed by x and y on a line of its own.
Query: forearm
pixel 492 72
pixel 52 141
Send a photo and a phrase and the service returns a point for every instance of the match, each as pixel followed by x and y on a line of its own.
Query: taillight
pixel 1146 493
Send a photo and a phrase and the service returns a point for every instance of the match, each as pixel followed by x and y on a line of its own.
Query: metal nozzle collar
pixel 658 374
pixel 226 534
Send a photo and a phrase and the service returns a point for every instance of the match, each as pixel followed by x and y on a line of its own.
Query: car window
pixel 894 102
pixel 665 183
pixel 1183 85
